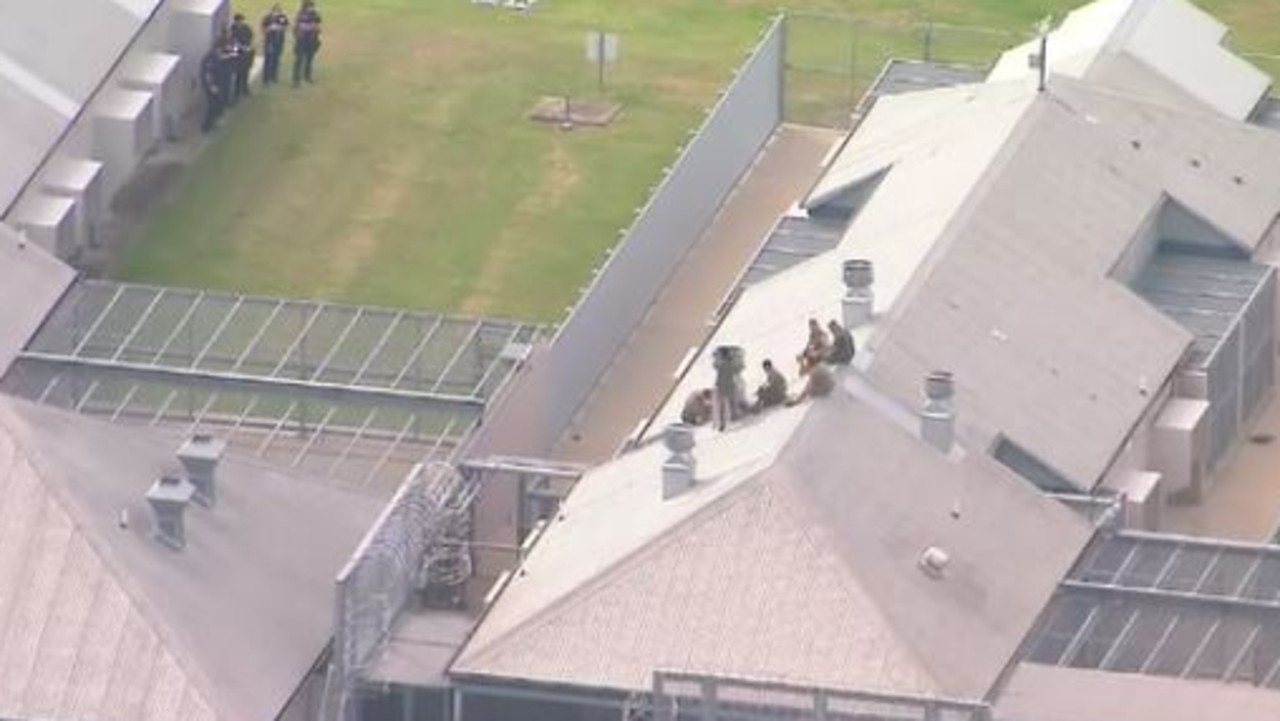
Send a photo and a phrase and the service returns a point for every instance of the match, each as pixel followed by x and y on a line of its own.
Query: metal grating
pixel 359 394
pixel 1168 606
pixel 793 241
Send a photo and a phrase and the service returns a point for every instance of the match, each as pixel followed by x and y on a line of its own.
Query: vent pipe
pixel 169 497
pixel 859 299
pixel 934 562
pixel 200 455
pixel 938 416
pixel 679 470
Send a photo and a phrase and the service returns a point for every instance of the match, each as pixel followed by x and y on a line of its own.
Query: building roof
pixel 802 570
pixel 994 199
pixel 1047 693
pixel 1012 298
pixel 99 621
pixel 31 282
pixel 53 55
pixel 1111 42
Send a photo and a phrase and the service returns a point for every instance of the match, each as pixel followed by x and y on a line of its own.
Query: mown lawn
pixel 407 175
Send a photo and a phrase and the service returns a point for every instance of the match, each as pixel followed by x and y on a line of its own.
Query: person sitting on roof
pixel 698 408
pixel 773 392
pixel 842 345
pixel 820 383
pixel 815 351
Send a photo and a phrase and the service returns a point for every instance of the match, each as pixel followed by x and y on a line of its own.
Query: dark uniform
pixel 242 39
pixel 306 42
pixel 215 101
pixel 275 25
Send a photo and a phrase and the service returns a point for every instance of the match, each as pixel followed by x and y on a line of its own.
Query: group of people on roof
pixel 224 71
pixel 825 349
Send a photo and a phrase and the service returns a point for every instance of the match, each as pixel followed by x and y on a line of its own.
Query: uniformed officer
pixel 215 101
pixel 242 38
pixel 306 41
pixel 275 26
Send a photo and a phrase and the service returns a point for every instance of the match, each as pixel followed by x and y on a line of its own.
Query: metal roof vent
pixel 859 299
pixel 934 562
pixel 938 416
pixel 679 470
pixel 200 455
pixel 169 497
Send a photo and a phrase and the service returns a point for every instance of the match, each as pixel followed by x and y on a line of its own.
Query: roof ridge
pixel 586 589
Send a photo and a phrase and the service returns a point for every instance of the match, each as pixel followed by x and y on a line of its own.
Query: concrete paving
pixel 682 316
pixel 1244 502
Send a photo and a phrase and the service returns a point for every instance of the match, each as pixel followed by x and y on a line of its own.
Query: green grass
pixel 407 176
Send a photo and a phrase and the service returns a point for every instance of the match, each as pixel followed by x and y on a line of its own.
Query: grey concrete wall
pixel 677 214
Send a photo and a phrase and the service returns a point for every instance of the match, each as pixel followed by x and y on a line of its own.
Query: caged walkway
pixel 353 393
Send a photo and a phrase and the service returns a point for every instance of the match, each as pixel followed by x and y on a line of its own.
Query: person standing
pixel 215 101
pixel 226 68
pixel 275 25
pixel 242 37
pixel 306 41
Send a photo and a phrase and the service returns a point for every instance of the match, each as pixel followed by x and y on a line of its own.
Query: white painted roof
pixel 102 622
pixel 1048 349
pixel 53 55
pixel 801 569
pixel 1180 42
pixel 31 282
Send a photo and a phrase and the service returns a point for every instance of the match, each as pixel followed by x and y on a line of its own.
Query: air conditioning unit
pixel 1179 448
pixel 1143 493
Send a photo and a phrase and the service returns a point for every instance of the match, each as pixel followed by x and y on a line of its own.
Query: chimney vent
pixel 934 562
pixel 169 497
pixel 938 416
pixel 200 455
pixel 859 299
pixel 679 470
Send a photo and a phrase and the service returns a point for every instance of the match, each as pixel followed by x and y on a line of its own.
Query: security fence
pixel 833 59
pixel 673 220
pixel 425 520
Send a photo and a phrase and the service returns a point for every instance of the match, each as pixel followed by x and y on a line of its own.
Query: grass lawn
pixel 407 176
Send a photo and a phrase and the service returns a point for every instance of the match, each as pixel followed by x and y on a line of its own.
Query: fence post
pixel 819 705
pixel 708 700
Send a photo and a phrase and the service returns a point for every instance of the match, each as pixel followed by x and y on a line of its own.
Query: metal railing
pixel 716 698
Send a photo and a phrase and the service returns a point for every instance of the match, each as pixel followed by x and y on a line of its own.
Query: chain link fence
pixel 833 59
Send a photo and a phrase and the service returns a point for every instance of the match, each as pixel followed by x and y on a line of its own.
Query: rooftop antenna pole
pixel 1043 58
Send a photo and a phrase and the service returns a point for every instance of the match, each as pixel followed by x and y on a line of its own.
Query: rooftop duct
pixel 200 455
pixel 680 469
pixel 859 300
pixel 938 416
pixel 169 497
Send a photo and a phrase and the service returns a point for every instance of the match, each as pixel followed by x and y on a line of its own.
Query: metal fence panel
pixel 675 217
pixel 385 570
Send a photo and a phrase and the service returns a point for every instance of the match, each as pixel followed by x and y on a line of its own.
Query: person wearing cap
pixel 242 40
pixel 275 27
pixel 306 41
